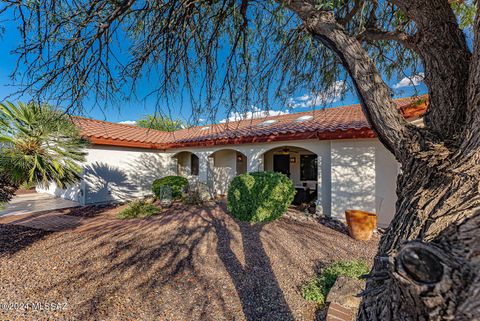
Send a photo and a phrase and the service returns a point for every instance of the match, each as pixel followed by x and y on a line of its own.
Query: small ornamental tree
pixel 40 145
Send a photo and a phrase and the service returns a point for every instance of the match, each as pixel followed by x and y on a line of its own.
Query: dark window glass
pixel 195 163
pixel 308 167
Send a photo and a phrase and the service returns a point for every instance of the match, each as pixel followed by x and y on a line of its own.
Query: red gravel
pixel 186 264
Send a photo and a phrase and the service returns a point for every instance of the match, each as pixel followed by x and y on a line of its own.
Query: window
pixel 195 163
pixel 308 167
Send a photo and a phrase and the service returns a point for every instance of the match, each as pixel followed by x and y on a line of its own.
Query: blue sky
pixel 136 108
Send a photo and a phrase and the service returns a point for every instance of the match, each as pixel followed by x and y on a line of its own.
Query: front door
pixel 281 164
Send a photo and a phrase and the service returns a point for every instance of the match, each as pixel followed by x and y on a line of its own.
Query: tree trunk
pixel 429 258
pixel 428 263
pixel 445 56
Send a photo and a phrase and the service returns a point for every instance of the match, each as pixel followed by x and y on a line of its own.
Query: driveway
pixel 35 202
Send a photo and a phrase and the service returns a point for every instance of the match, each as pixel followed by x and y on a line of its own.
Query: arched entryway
pixel 300 165
pixel 186 164
pixel 224 165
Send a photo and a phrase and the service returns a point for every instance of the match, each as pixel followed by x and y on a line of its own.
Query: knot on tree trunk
pixel 420 263
pixel 428 278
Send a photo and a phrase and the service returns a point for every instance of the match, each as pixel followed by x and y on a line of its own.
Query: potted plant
pixel 360 224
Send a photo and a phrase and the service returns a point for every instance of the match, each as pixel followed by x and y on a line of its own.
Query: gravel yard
pixel 185 264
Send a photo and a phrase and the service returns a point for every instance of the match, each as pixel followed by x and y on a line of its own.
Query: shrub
pixel 260 197
pixel 7 188
pixel 40 144
pixel 192 197
pixel 317 289
pixel 176 183
pixel 139 209
pixel 197 193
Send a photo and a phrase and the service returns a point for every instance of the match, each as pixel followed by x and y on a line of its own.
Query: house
pixel 330 153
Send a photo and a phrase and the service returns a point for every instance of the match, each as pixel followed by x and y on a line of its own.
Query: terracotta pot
pixel 360 224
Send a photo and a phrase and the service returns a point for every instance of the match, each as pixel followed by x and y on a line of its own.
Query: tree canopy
pixel 162 123
pixel 222 54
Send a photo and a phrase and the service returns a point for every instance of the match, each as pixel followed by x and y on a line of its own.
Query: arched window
pixel 195 164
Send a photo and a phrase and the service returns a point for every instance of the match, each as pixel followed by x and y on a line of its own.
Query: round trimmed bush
pixel 260 197
pixel 176 183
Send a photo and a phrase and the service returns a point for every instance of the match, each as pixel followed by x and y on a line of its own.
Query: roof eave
pixel 124 143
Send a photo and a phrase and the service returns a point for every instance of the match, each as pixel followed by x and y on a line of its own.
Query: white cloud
pixel 127 122
pixel 414 80
pixel 254 113
pixel 330 95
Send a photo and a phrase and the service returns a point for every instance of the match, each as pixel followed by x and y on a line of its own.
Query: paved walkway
pixel 34 203
pixel 56 220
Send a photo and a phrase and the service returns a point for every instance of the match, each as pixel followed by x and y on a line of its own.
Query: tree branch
pixel 443 48
pixel 349 16
pixel 374 94
pixel 370 35
pixel 471 143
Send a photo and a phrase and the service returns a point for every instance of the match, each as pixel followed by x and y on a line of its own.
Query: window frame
pixel 310 157
pixel 194 170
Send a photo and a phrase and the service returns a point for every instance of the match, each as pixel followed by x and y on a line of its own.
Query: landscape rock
pixel 346 292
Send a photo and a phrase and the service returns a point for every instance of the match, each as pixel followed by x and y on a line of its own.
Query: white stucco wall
pixel 184 161
pixel 115 174
pixel 73 193
pixel 364 178
pixel 254 154
pixel 358 174
pixel 353 176
pixel 224 169
pixel 386 168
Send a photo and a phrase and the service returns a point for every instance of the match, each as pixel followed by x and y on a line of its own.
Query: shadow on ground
pixel 255 282
pixel 188 263
pixel 13 238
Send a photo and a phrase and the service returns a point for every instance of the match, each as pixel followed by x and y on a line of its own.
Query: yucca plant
pixel 39 145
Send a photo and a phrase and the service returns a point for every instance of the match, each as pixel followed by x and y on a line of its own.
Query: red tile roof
pixel 331 123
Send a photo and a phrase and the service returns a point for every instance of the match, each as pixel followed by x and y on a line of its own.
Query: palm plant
pixel 7 188
pixel 39 145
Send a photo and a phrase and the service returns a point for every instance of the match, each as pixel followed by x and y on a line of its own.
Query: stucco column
pixel 320 201
pixel 254 161
pixel 203 166
pixel 173 166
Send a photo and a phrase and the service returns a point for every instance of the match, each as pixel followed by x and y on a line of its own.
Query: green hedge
pixel 260 197
pixel 176 183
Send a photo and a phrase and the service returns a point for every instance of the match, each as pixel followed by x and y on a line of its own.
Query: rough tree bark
pixel 427 265
pixel 443 49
